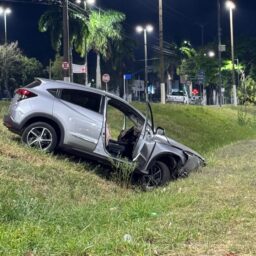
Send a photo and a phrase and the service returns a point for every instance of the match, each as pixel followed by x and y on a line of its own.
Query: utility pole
pixel 231 6
pixel 66 56
pixel 146 63
pixel 162 83
pixel 85 55
pixel 219 52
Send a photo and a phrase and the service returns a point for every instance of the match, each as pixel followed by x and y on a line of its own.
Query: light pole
pixel 231 6
pixel 161 48
pixel 139 29
pixel 5 12
pixel 66 51
pixel 85 2
pixel 219 51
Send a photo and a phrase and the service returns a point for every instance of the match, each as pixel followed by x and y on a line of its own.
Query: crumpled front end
pixel 193 163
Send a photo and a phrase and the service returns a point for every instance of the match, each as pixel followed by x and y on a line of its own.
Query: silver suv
pixel 54 114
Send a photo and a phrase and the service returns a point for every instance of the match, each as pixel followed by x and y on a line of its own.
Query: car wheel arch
pixel 172 161
pixel 51 121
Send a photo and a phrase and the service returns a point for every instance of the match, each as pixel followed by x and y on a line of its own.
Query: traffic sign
pixel 195 91
pixel 65 65
pixel 106 78
pixel 127 76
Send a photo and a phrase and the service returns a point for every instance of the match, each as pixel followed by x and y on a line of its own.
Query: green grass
pixel 202 128
pixel 51 205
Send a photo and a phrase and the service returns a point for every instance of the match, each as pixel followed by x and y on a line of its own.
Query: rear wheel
pixel 40 135
pixel 159 175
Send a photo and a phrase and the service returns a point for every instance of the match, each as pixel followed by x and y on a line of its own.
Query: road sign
pixel 201 76
pixel 195 91
pixel 79 69
pixel 65 65
pixel 222 47
pixel 106 78
pixel 127 76
pixel 138 85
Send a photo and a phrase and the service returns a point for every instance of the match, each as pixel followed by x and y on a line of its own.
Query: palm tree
pixel 122 52
pixel 174 56
pixel 104 28
pixel 51 21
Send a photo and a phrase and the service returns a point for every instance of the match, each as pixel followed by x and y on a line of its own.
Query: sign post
pixel 126 77
pixel 65 67
pixel 106 79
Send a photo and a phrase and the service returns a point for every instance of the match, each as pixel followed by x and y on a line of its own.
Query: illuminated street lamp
pixel 5 12
pixel 86 2
pixel 140 29
pixel 210 54
pixel 231 6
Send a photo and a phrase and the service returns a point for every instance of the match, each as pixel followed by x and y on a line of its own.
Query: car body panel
pixel 82 127
pixel 178 97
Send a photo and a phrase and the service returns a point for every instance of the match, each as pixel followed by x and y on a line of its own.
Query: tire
pixel 159 174
pixel 40 135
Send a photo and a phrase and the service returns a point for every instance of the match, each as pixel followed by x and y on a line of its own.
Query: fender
pixel 165 150
pixel 43 117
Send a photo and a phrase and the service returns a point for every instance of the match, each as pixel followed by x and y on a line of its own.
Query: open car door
pixel 145 144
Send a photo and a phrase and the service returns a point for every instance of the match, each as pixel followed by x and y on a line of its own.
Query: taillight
pixel 25 94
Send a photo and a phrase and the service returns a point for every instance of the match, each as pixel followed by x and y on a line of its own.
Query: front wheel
pixel 159 175
pixel 40 135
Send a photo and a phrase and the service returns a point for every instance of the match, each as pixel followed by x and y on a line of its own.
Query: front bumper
pixel 193 163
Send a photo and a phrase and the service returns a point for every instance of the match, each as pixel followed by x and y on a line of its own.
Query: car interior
pixel 123 128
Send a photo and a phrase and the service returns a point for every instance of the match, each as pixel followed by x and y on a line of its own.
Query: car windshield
pixel 179 93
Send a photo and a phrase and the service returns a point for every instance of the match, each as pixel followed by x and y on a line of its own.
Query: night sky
pixel 182 19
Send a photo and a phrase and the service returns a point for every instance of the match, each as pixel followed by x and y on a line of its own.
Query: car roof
pixel 59 84
pixel 69 85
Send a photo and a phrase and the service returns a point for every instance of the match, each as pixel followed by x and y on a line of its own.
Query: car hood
pixel 173 143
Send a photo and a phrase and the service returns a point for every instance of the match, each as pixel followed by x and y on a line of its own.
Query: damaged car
pixel 50 114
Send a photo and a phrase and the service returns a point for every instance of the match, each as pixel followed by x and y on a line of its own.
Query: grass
pixel 202 128
pixel 51 205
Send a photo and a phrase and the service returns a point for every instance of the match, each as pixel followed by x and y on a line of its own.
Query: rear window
pixel 33 84
pixel 83 99
pixel 53 92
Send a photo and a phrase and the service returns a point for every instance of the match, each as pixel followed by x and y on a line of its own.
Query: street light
pixel 211 54
pixel 85 2
pixel 231 6
pixel 140 29
pixel 219 50
pixel 5 12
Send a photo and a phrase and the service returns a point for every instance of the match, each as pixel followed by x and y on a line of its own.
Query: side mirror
pixel 160 131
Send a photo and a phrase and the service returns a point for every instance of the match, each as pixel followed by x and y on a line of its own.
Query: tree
pixel 246 53
pixel 51 21
pixel 56 68
pixel 29 69
pixel 104 28
pixel 122 52
pixel 178 60
pixel 198 61
pixel 247 92
pixel 9 56
pixel 16 69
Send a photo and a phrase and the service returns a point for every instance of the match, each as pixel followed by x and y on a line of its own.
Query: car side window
pixel 81 98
